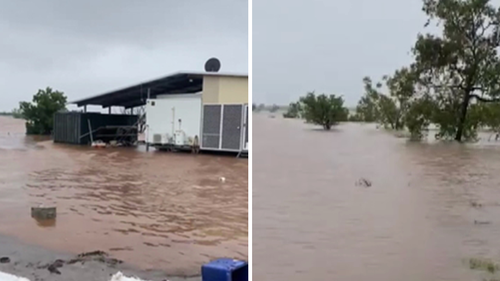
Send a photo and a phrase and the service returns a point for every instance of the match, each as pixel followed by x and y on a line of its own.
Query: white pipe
pixel 90 130
pixel 173 121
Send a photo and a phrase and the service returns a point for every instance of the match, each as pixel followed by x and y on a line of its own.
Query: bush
pixel 324 110
pixel 39 114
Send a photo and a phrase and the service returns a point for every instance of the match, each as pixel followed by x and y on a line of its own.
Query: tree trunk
pixel 327 126
pixel 463 116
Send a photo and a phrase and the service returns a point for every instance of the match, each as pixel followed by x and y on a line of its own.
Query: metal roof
pixel 133 96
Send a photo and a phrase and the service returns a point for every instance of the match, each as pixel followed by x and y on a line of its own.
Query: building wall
pixel 169 96
pixel 225 90
pixel 210 89
pixel 233 90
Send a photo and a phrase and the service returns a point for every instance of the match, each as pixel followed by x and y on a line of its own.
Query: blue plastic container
pixel 225 270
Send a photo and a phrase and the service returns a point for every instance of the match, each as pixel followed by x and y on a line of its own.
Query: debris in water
pixel 481 222
pixel 475 204
pixel 98 256
pixel 4 260
pixel 363 182
pixel 98 144
pixel 43 213
pixel 53 268
pixel 222 179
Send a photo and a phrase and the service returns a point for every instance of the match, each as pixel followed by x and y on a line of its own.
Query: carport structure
pixel 137 95
pixel 223 105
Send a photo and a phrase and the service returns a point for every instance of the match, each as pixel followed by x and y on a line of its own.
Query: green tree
pixel 490 115
pixel 39 113
pixel 390 110
pixel 418 115
pixel 294 110
pixel 355 118
pixel 324 110
pixel 366 110
pixel 460 66
pixel 16 113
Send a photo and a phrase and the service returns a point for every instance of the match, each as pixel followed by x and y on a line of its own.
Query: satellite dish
pixel 212 65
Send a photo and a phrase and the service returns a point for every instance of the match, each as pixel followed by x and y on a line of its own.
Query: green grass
pixel 483 264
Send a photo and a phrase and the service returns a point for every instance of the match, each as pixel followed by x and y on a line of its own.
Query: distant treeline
pixel 14 113
pixel 270 108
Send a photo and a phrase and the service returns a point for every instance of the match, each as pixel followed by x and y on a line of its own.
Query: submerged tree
pixel 391 109
pixel 490 115
pixel 324 110
pixel 453 81
pixel 366 110
pixel 16 113
pixel 461 66
pixel 294 110
pixel 39 113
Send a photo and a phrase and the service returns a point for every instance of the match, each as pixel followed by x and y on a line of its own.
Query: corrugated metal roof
pixel 136 95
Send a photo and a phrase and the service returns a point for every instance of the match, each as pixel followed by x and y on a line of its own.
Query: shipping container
pixel 82 127
pixel 182 121
pixel 173 120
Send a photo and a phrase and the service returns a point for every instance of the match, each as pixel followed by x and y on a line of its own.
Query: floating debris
pixel 98 256
pixel 222 179
pixel 363 182
pixel 53 268
pixel 476 204
pixel 43 213
pixel 4 260
pixel 481 222
pixel 98 144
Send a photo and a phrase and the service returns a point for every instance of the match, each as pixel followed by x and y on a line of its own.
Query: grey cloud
pixel 88 47
pixel 329 46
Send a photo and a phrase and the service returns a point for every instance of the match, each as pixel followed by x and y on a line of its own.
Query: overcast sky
pixel 87 47
pixel 329 46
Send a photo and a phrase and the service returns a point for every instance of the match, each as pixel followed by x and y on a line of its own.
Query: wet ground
pixel 154 211
pixel 30 261
pixel 429 210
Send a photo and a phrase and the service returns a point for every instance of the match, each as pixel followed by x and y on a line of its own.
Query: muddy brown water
pixel 155 210
pixel 415 222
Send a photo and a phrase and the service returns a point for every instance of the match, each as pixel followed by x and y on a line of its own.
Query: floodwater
pixel 165 211
pixel 311 221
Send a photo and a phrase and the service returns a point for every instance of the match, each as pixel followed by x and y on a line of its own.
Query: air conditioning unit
pixel 179 137
pixel 157 138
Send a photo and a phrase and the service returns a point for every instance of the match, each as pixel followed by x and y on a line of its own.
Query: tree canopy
pixel 39 113
pixel 294 110
pixel 323 110
pixel 453 77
